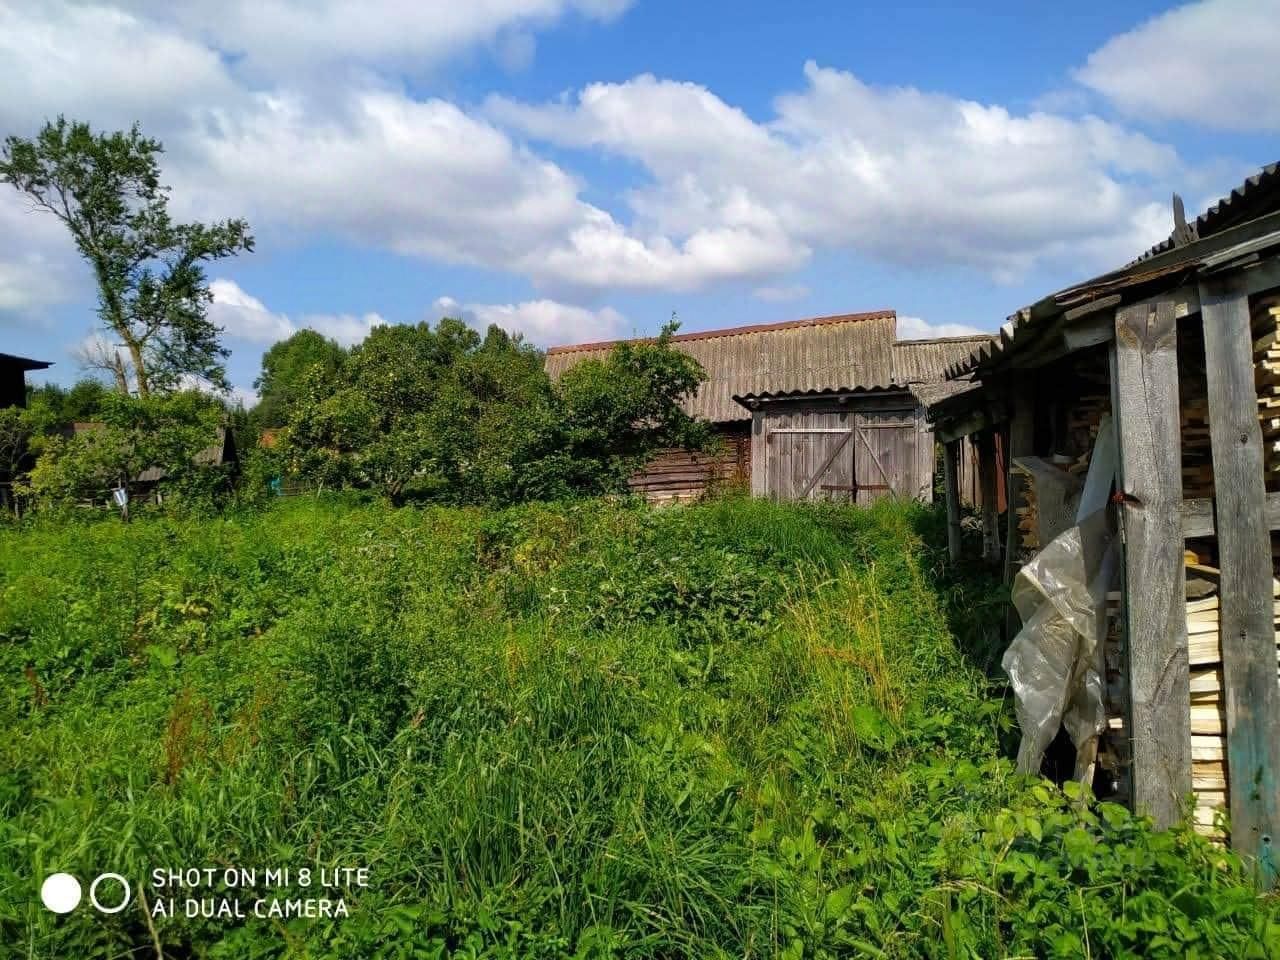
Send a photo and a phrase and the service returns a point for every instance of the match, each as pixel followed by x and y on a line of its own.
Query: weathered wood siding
pixel 857 450
pixel 676 475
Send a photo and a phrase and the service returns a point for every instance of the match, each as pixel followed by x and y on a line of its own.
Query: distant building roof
pixel 918 366
pixel 23 363
pixel 853 349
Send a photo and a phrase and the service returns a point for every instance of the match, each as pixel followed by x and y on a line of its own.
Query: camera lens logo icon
pixel 61 893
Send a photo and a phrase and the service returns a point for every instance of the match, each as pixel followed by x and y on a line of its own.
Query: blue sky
pixel 580 169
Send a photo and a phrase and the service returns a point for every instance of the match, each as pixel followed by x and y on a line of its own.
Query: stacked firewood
pixel 1029 512
pixel 1197 453
pixel 1266 360
pixel 1209 774
pixel 1083 421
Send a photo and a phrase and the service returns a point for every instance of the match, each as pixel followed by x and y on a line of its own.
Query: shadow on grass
pixel 974 601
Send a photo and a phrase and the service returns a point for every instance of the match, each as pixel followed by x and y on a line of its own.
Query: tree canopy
pixel 149 270
pixel 443 413
pixel 286 367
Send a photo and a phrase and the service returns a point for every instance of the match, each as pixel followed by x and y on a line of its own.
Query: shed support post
pixel 1144 399
pixel 986 441
pixel 951 480
pixel 1246 619
pixel 1021 442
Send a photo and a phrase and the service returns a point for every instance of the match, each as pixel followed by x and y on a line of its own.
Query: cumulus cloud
pixel 916 328
pixel 245 317
pixel 275 38
pixel 896 173
pixel 1212 63
pixel 541 322
pixel 38 266
pixel 101 62
pixel 296 116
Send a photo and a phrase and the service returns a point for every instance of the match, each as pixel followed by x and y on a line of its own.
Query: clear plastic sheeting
pixel 1055 661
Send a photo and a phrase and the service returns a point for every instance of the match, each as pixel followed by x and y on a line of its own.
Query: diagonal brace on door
pixel 876 460
pixel 826 465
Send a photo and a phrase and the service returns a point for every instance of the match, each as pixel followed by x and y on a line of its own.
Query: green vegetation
pixel 731 730
pixel 149 271
pixel 442 414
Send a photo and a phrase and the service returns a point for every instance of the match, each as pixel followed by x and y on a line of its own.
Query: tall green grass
pixel 731 730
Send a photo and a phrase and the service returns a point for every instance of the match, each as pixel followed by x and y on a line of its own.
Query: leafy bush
pixel 420 413
pixel 732 730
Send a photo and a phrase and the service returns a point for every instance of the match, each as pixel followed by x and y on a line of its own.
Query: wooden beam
pixel 1021 442
pixel 1198 516
pixel 1145 400
pixel 1098 328
pixel 986 444
pixel 951 483
pixel 1246 624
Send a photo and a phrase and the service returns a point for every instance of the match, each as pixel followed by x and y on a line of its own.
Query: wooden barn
pixel 771 390
pixel 1169 370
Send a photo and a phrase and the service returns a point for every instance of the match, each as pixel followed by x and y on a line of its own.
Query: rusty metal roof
pixel 849 351
pixel 1257 198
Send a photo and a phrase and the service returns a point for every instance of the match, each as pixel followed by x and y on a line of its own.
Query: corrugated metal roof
pixel 1258 194
pixel 926 361
pixel 25 363
pixel 1257 197
pixel 854 350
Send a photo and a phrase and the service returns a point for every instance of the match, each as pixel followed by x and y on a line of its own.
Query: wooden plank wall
pixel 676 475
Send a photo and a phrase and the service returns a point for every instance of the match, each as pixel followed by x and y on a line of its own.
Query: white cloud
pixel 542 322
pixel 1215 63
pixel 245 317
pixel 286 38
pixel 100 62
pixel 781 294
pixel 916 328
pixel 38 265
pixel 295 116
pixel 895 173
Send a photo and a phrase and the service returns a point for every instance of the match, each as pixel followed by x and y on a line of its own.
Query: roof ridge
pixel 733 331
pixel 960 339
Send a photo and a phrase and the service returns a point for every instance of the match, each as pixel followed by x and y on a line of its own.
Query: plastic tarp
pixel 1055 661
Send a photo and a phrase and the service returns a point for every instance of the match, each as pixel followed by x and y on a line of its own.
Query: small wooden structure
pixel 1181 348
pixel 776 392
pixel 13 380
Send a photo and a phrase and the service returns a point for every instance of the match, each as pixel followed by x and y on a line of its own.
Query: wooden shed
pixel 814 368
pixel 1180 350
pixel 13 380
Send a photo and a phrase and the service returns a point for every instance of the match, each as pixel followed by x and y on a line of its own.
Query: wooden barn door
pixel 811 457
pixel 887 460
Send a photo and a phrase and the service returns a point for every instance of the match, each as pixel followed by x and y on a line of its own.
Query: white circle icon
pixel 93 892
pixel 60 892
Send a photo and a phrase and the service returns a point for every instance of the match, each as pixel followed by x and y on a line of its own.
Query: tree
pixel 443 414
pixel 132 435
pixel 62 407
pixel 149 270
pixel 371 428
pixel 616 412
pixel 286 369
